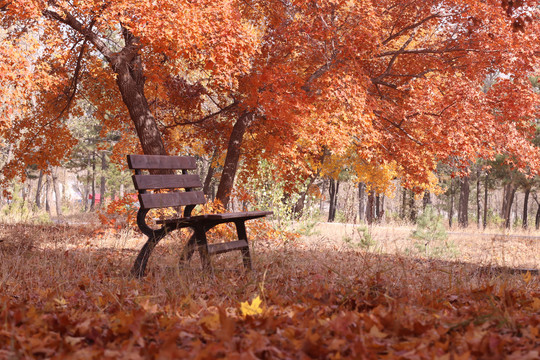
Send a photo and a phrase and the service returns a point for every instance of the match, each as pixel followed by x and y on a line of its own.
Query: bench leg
pixel 200 235
pixel 189 249
pixel 139 267
pixel 242 235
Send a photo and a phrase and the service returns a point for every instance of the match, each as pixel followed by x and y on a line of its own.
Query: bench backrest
pixel 182 184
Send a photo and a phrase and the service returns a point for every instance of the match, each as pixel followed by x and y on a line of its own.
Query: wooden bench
pixel 161 187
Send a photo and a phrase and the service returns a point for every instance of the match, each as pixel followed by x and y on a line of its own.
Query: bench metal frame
pixel 162 178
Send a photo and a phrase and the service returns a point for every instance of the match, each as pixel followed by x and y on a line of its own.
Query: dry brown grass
pixel 83 273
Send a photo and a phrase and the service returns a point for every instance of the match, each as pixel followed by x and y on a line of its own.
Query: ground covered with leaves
pixel 66 292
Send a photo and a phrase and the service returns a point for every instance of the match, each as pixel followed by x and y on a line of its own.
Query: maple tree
pixel 397 83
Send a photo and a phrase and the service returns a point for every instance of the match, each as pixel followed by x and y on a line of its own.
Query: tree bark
pixel 478 198
pixel 93 202
pixel 103 179
pixel 537 219
pixel 403 209
pixel 48 195
pixel 210 174
pixel 369 208
pixel 333 190
pixel 486 187
pixel 298 209
pixel 426 200
pixel 57 193
pixel 412 207
pixel 232 159
pixel 508 199
pixel 525 208
pixel 361 201
pixel 463 206
pixel 451 205
pixel 38 190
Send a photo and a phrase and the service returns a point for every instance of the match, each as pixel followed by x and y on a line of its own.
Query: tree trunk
pixel 48 195
pixel 232 159
pixel 426 200
pixel 333 190
pixel 378 207
pixel 130 80
pixel 451 205
pixel 57 194
pixel 38 190
pixel 478 198
pixel 403 209
pixel 103 180
pixel 210 174
pixel 486 187
pixel 537 219
pixel 463 206
pixel 93 184
pixel 508 199
pixel 412 207
pixel 361 201
pixel 525 208
pixel 369 208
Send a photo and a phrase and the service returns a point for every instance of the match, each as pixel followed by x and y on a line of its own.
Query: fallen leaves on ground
pixel 301 304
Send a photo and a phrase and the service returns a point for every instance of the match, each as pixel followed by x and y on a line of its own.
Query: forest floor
pixel 65 291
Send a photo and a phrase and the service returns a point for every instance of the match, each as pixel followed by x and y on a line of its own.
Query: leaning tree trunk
pixel 232 158
pixel 463 206
pixel 426 200
pixel 508 199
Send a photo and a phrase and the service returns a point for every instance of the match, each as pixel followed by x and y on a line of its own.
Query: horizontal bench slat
pixel 171 199
pixel 220 248
pixel 146 182
pixel 161 162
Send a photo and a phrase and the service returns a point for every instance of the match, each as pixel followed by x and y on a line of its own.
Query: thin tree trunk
pixel 298 209
pixel 412 207
pixel 537 219
pixel 93 184
pixel 486 187
pixel 403 209
pixel 48 195
pixel 232 159
pixel 38 190
pixel 361 201
pixel 57 194
pixel 377 207
pixel 333 190
pixel 478 198
pixel 525 208
pixel 509 192
pixel 451 206
pixel 426 200
pixel 463 206
pixel 370 206
pixel 210 174
pixel 103 179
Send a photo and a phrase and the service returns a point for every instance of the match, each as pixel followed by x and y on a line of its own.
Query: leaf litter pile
pixel 66 292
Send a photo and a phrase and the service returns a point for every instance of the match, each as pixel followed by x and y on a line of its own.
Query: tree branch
pixel 207 117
